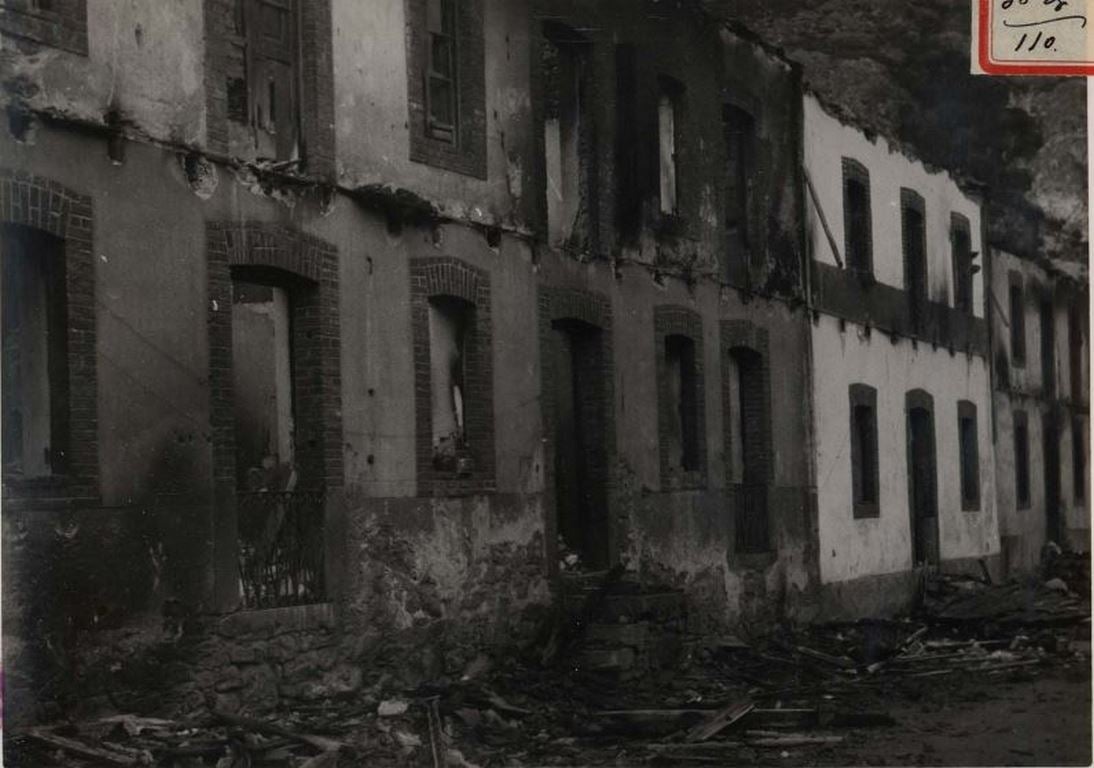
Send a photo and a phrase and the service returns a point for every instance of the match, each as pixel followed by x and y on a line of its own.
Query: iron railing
pixel 281 548
pixel 752 517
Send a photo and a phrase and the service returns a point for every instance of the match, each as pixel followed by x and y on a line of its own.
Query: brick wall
pixel 37 202
pixel 64 26
pixel 226 80
pixel 468 154
pixel 446 276
pixel 679 321
pixel 311 267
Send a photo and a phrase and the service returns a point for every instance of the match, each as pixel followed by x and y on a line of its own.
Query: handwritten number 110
pixel 1048 43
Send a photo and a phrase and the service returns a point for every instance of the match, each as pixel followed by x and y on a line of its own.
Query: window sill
pixel 755 560
pixel 866 511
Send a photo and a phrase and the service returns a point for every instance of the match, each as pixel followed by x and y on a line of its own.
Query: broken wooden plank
pixel 782 718
pixel 796 740
pixel 81 749
pixel 721 719
pixel 838 661
pixel 260 726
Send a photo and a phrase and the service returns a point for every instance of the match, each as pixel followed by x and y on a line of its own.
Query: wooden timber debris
pixel 721 719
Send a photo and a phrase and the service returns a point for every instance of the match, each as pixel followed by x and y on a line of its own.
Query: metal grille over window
pixel 281 548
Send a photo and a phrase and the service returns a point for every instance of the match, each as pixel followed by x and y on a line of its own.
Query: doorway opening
pixel 1051 438
pixel 581 465
pixel 922 479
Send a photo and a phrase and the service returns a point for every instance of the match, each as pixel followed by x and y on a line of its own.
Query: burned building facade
pixel 1040 344
pixel 341 331
pixel 344 339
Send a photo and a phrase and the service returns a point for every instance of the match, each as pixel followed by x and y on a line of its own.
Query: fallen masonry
pixel 722 699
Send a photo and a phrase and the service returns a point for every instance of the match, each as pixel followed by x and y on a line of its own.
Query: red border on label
pixel 1024 68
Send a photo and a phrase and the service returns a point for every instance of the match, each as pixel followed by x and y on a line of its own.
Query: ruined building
pixel 348 338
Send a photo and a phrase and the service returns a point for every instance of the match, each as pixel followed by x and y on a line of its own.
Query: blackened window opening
pixel 567 134
pixel 857 219
pixel 740 136
pixel 668 124
pixel 1075 354
pixel 35 386
pixel 683 391
pixel 628 190
pixel 1021 460
pixel 1017 325
pixel 442 75
pixel 970 456
pixel 962 267
pixel 1078 460
pixel 915 254
pixel 865 435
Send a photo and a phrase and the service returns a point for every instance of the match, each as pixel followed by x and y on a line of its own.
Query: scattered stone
pixel 392 708
pixel 1057 585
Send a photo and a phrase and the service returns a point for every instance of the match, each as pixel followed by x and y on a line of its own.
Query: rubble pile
pixel 724 701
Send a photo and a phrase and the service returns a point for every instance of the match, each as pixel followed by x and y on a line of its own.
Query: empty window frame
pixel 668 119
pixel 682 408
pixel 864 451
pixel 451 321
pixel 969 450
pixel 857 217
pixel 914 236
pixel 566 135
pixel 1075 353
pixel 1017 320
pixel 739 128
pixel 269 99
pixel 442 72
pixel 262 384
pixel 961 247
pixel 1021 460
pixel 1078 459
pixel 35 354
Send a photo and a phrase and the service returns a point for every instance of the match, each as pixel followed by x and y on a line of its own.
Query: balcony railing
pixel 281 548
pixel 750 502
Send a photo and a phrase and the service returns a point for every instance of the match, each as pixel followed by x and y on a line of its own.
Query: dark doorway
pixel 1051 439
pixel 922 484
pixel 1048 348
pixel 580 445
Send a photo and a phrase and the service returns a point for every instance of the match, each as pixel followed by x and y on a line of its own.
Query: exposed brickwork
pixel 446 276
pixel 226 68
pixel 312 268
pixel 37 202
pixel 63 26
pixel 560 304
pixel 468 154
pixel 679 321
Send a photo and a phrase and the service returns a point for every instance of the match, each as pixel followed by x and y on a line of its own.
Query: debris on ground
pixel 722 700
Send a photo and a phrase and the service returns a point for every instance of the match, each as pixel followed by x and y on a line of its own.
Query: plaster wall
pixel 850 548
pixel 827 141
pixel 144 62
pixel 371 113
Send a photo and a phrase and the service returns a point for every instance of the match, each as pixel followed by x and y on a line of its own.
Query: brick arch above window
pixel 445 276
pixel 42 204
pixel 63 25
pixel 317 376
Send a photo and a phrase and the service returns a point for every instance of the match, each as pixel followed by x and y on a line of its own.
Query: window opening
pixel 683 393
pixel 450 323
pixel 442 75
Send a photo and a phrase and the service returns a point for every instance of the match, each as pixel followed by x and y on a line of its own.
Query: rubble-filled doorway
pixel 580 444
pixel 922 485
